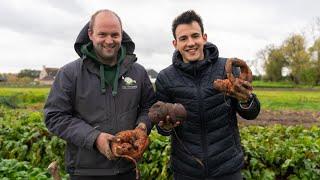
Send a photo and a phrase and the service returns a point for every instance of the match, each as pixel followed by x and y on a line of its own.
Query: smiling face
pixel 106 36
pixel 190 41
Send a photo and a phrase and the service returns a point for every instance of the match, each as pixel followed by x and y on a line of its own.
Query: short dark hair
pixel 186 17
pixel 93 17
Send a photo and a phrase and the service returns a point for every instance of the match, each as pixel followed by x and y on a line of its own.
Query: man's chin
pixel 193 59
pixel 109 55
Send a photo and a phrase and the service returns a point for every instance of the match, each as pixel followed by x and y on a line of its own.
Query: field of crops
pixel 271 152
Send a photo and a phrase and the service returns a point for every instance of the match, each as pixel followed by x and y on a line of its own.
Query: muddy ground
pixel 284 117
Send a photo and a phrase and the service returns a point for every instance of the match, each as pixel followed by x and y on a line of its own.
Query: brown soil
pixel 284 117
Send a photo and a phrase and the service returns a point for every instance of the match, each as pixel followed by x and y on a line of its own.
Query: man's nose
pixel 108 39
pixel 190 42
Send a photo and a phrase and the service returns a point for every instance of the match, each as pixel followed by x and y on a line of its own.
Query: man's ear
pixel 205 37
pixel 90 33
pixel 174 43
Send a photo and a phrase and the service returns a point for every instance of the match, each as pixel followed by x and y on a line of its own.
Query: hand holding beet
pixel 131 144
pixel 239 88
pixel 103 142
pixel 167 115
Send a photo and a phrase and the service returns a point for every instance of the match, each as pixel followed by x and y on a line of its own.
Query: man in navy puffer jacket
pixel 207 144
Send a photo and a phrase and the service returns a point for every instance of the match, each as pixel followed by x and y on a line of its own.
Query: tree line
pixel 293 60
pixel 24 76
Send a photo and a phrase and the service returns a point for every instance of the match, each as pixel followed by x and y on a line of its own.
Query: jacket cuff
pixel 248 104
pixel 251 111
pixel 90 140
pixel 163 131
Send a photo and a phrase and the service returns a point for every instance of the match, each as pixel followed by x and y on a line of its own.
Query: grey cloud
pixel 54 23
pixel 151 40
pixel 56 26
pixel 72 7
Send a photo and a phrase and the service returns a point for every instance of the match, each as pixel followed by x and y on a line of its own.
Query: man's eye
pixel 195 35
pixel 115 35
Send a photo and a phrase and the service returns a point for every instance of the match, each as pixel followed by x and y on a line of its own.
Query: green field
pixel 5 91
pixel 283 84
pixel 263 84
pixel 285 98
pixel 22 97
pixel 289 99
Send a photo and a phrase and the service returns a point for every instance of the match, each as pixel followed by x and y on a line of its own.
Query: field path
pixel 284 117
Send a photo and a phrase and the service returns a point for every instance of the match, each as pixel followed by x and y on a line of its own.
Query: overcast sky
pixel 42 32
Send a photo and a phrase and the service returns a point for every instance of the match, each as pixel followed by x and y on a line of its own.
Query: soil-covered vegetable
pixel 160 110
pixel 130 144
pixel 231 85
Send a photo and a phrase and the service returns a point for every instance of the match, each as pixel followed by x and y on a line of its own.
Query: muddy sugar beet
pixel 160 110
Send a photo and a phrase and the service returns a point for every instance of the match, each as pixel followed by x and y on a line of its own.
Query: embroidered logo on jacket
pixel 129 83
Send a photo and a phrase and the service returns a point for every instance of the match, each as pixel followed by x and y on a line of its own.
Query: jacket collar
pixel 94 68
pixel 127 63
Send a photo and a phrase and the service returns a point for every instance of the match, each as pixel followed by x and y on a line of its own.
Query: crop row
pixel 276 152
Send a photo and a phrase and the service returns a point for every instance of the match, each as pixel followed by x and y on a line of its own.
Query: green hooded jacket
pixel 109 74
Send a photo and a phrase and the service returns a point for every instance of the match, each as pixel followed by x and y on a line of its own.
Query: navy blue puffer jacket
pixel 210 133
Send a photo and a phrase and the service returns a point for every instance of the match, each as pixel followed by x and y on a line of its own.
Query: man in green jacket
pixel 102 93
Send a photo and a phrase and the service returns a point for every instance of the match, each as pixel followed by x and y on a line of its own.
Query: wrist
pixel 167 130
pixel 247 104
pixel 142 126
pixel 250 98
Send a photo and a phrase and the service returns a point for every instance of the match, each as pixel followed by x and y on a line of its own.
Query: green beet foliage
pixel 275 152
pixel 279 152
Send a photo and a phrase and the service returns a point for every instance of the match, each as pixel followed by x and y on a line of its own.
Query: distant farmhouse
pixel 152 75
pixel 47 75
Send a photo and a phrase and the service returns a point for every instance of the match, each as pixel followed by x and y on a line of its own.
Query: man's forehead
pixel 188 32
pixel 107 18
pixel 188 28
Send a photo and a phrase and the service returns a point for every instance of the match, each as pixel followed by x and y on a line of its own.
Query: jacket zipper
pixel 202 121
pixel 113 115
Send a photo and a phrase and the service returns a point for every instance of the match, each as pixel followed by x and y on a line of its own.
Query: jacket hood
pixel 211 54
pixel 83 38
